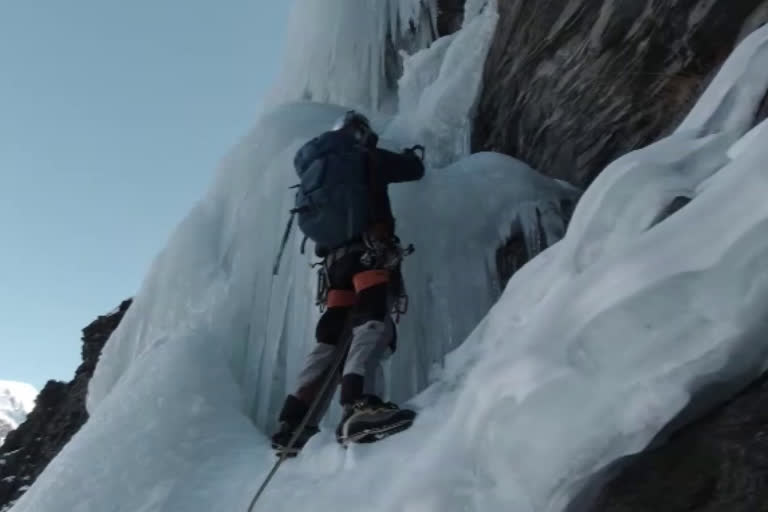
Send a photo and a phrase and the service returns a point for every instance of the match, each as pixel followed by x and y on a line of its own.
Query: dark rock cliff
pixel 58 414
pixel 571 84
pixel 717 464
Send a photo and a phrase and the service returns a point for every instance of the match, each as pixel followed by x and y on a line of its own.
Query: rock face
pixel 58 415
pixel 571 84
pixel 717 464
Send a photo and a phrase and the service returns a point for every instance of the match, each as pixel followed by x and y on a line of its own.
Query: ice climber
pixel 343 205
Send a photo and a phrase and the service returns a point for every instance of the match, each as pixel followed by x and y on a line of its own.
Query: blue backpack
pixel 333 199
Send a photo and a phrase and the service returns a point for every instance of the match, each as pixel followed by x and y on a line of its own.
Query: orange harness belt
pixel 341 298
pixel 369 279
pixel 361 281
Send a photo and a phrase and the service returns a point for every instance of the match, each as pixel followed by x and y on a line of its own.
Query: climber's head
pixel 358 125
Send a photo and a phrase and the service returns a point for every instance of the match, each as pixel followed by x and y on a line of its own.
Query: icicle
pixel 347 51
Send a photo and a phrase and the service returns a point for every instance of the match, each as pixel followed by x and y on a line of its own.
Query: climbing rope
pixel 313 407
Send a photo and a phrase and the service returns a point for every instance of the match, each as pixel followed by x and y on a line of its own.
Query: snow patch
pixel 20 393
pixel 17 399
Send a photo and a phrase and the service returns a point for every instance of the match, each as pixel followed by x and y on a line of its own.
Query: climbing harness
pixel 385 254
pixel 390 255
pixel 376 255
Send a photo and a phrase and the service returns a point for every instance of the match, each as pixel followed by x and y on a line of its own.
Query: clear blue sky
pixel 113 116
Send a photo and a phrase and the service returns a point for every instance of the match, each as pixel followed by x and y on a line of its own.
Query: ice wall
pixel 268 322
pixel 193 377
pixel 440 86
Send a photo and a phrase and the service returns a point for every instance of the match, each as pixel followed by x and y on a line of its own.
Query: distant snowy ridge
pixel 17 399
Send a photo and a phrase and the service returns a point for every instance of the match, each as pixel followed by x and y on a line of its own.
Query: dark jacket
pixel 387 167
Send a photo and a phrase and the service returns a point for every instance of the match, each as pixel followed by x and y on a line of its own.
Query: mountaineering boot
pixel 291 416
pixel 370 419
pixel 283 436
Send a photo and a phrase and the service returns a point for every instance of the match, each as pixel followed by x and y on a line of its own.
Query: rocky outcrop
pixel 58 414
pixel 717 464
pixel 570 85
